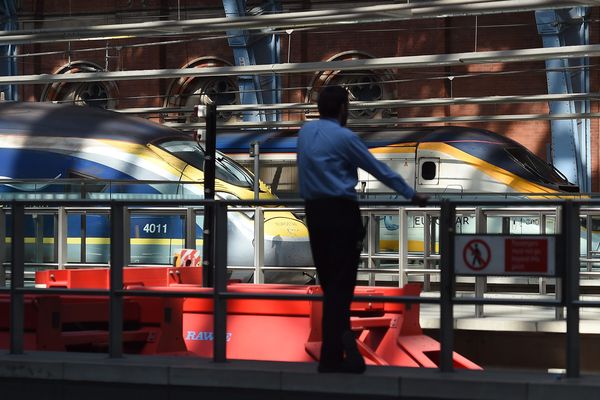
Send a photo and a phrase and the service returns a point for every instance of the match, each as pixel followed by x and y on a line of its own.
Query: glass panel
pixel 156 238
pixel 525 225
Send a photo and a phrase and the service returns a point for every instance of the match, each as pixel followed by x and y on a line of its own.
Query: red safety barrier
pixel 278 330
pixel 98 278
pixel 80 323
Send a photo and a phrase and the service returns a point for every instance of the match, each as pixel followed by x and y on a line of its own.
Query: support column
pixel 571 146
pixel 8 62
pixel 253 49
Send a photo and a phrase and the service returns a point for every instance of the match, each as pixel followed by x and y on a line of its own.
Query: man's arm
pixel 361 157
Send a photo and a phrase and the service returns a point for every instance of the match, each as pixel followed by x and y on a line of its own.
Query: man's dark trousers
pixel 336 233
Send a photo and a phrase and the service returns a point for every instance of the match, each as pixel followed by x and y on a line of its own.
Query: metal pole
pixel 119 224
pixel 220 285
pixel 62 238
pixel 570 225
pixel 17 279
pixel 209 194
pixel 259 245
pixel 559 313
pixel 426 250
pixel 480 281
pixel 542 282
pixel 255 152
pixel 83 244
pixel 402 246
pixel 190 228
pixel 373 227
pixel 447 227
pixel 2 246
pixel 38 224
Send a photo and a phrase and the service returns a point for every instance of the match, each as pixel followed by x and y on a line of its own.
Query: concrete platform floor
pixel 66 376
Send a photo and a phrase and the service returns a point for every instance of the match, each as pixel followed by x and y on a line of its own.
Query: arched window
pixel 192 91
pixel 95 94
pixel 363 85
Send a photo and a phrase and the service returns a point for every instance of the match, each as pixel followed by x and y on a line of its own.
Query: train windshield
pixel 546 172
pixel 192 153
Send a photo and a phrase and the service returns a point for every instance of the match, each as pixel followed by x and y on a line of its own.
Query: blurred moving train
pixel 118 156
pixel 444 162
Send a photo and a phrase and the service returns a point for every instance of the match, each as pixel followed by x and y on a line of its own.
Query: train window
pixel 535 165
pixel 428 170
pixel 226 169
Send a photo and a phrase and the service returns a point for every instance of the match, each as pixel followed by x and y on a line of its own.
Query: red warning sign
pixel 477 254
pixel 526 255
pixel 533 255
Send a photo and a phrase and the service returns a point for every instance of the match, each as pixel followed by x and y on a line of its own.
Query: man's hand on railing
pixel 420 199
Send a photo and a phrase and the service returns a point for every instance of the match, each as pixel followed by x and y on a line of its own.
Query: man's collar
pixel 337 122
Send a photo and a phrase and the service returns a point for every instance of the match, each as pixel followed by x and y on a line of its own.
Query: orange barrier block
pixel 80 323
pixel 257 329
pixel 98 278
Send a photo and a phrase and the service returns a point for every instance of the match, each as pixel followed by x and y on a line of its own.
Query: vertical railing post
pixel 190 228
pixel 542 280
pixel 208 238
pixel 220 285
pixel 570 234
pixel 17 279
pixel 372 239
pixel 426 250
pixel 402 246
pixel 447 227
pixel 119 233
pixel 38 226
pixel 255 152
pixel 2 246
pixel 480 281
pixel 559 312
pixel 259 245
pixel 62 245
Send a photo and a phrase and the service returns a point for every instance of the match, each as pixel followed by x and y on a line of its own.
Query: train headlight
pixel 229 196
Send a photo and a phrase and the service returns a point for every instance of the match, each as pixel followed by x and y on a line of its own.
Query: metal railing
pixel 568 260
pixel 398 266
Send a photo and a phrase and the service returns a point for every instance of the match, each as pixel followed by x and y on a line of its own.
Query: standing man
pixel 328 157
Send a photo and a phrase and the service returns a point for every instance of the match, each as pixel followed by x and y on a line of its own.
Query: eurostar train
pixel 118 156
pixel 444 161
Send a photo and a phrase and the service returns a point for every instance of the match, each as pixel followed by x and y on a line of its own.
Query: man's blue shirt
pixel 328 158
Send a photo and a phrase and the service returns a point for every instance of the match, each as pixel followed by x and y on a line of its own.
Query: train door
pixel 436 172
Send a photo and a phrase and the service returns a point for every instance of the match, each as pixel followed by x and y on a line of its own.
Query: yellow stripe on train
pixel 416 246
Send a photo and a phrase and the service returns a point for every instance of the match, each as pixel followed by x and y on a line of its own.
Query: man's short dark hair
pixel 331 100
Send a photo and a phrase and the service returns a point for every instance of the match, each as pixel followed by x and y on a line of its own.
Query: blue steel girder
pixel 251 49
pixel 571 147
pixel 8 62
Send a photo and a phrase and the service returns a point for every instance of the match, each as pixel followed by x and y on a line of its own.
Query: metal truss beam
pixel 360 105
pixel 436 60
pixel 304 19
pixel 391 122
